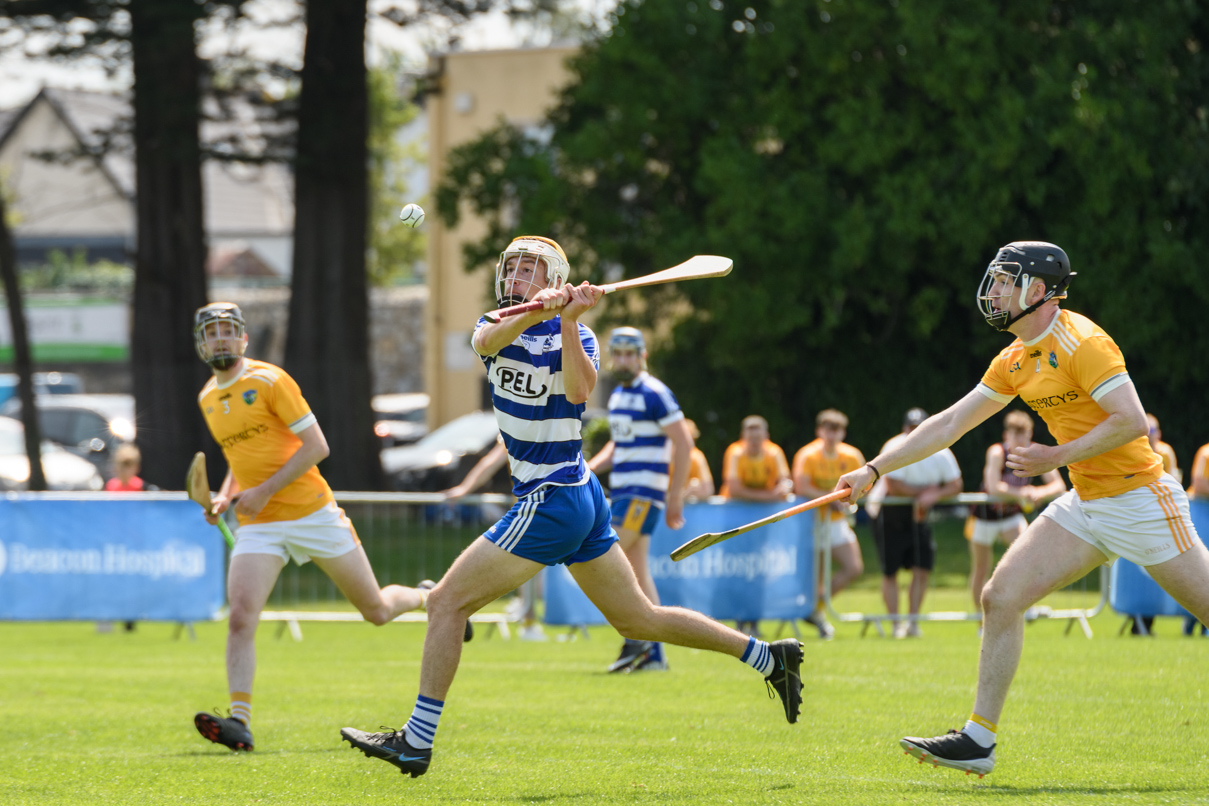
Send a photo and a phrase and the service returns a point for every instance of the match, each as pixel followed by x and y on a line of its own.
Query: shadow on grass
pixel 985 790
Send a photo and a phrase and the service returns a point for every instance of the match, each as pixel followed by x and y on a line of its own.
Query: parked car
pixel 400 419
pixel 90 426
pixel 442 458
pixel 45 383
pixel 63 470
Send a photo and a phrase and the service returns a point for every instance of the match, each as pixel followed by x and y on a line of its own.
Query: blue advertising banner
pixel 1135 593
pixel 108 559
pixel 768 573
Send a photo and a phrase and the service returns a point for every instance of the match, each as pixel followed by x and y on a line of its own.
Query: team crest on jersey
pixel 249 396
pixel 1053 359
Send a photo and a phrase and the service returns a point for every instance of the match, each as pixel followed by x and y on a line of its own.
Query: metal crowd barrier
pixel 1042 610
pixel 408 537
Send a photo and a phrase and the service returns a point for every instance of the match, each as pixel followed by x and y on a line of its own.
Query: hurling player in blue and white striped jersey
pixel 542 368
pixel 649 432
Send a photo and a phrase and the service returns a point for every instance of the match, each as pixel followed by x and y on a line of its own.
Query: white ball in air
pixel 412 215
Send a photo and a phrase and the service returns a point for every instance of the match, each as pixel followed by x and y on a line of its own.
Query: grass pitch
pixel 95 718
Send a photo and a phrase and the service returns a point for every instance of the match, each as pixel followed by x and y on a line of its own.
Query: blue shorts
pixel 553 525
pixel 636 514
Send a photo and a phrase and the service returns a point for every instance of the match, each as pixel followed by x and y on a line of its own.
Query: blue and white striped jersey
pixel 638 413
pixel 541 430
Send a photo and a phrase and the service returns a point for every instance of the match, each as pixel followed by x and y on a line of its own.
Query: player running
pixel 272 442
pixel 541 368
pixel 648 430
pixel 1072 374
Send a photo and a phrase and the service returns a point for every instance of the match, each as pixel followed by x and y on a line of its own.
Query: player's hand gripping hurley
pixel 698 267
pixel 710 538
pixel 197 484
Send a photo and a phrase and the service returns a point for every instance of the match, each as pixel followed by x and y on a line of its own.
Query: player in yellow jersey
pixel 272 444
pixel 1069 371
pixel 816 469
pixel 754 468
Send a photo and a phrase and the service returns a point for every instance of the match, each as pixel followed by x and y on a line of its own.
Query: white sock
pixel 980 730
pixel 757 656
pixel 421 729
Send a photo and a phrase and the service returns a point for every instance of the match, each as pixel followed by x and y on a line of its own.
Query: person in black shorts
pixel 902 531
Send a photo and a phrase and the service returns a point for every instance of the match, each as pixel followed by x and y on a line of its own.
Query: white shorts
pixel 837 532
pixel 985 533
pixel 325 533
pixel 1146 526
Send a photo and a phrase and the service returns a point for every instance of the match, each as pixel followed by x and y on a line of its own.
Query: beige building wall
pixel 51 198
pixel 472 91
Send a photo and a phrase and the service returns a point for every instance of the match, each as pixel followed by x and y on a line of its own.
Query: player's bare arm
pixel 579 374
pixel 682 450
pixel 935 433
pixel 311 452
pixel 602 462
pixel 486 467
pixel 491 338
pixel 1126 422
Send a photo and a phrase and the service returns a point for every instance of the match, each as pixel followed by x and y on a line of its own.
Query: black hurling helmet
pixel 211 314
pixel 1017 265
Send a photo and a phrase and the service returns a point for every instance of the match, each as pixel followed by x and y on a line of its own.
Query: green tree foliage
pixel 861 162
pixel 393 248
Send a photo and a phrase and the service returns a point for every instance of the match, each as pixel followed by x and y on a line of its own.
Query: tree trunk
pixel 327 348
pixel 21 354
pixel 170 264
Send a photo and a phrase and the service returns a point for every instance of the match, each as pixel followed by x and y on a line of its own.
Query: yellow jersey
pixel 824 471
pixel 1060 375
pixel 757 472
pixel 255 419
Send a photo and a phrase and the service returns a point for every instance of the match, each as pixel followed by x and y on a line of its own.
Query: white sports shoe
pixel 955 750
pixel 532 632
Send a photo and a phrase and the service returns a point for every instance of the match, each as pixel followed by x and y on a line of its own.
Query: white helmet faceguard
pixel 547 254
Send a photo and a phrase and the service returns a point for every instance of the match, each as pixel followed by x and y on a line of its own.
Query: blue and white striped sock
pixel 757 656
pixel 421 729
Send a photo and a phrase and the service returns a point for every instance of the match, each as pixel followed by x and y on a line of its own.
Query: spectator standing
pixel 1005 520
pixel 903 534
pixel 816 469
pixel 1199 485
pixel 700 482
pixel 1154 435
pixel 754 468
pixel 127 461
